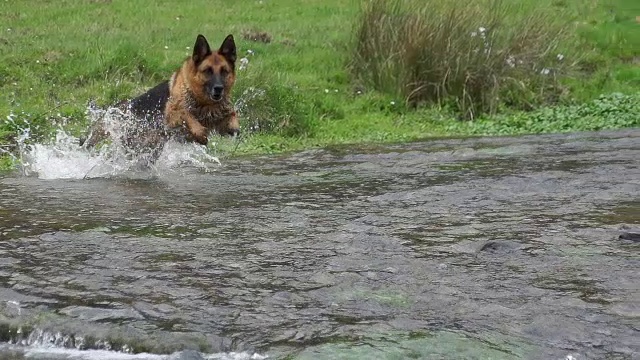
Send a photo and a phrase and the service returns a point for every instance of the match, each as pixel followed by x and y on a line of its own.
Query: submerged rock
pixel 500 246
pixel 630 235
pixel 187 355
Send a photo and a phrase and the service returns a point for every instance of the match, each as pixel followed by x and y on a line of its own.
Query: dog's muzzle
pixel 216 93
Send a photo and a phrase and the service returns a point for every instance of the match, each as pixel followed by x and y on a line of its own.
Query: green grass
pixel 57 55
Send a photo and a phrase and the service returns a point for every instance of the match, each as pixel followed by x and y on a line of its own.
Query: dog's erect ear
pixel 201 50
pixel 228 49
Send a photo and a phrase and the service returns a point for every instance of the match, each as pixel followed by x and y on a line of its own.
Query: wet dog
pixel 190 105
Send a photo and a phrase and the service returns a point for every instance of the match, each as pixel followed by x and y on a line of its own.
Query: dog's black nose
pixel 217 90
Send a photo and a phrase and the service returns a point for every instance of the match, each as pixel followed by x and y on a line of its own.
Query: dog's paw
pixel 200 135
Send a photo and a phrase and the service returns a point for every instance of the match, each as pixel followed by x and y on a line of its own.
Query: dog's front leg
pixel 176 117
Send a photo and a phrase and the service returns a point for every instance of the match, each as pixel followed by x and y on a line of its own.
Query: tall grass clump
pixel 474 56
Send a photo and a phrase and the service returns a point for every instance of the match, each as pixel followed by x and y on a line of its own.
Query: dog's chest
pixel 211 115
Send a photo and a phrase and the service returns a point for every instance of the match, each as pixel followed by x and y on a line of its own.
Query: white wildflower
pixel 166 47
pixel 326 91
pixel 483 32
pixel 392 103
pixel 243 63
pixel 511 61
pixel 474 34
pixel 560 57
pixel 545 71
pixel 249 52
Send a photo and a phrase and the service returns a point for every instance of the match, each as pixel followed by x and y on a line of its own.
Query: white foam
pixel 41 344
pixel 46 352
pixel 43 352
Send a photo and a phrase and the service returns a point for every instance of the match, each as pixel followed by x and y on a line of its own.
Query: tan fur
pixel 191 107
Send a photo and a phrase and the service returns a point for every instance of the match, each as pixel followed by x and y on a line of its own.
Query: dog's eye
pixel 208 71
pixel 224 71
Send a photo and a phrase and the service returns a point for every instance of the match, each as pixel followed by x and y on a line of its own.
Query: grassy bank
pixel 298 89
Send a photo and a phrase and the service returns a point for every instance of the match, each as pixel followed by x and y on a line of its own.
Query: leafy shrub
pixel 611 111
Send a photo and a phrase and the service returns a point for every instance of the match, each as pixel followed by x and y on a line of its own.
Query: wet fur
pixel 185 106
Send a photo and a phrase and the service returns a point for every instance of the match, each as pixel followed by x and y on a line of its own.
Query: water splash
pixel 63 158
pixel 244 104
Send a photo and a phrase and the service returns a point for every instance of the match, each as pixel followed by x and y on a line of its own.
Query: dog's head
pixel 214 71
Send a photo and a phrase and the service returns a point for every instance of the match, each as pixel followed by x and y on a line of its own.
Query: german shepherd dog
pixel 188 106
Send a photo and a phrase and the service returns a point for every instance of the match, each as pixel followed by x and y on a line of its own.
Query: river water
pixel 487 248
